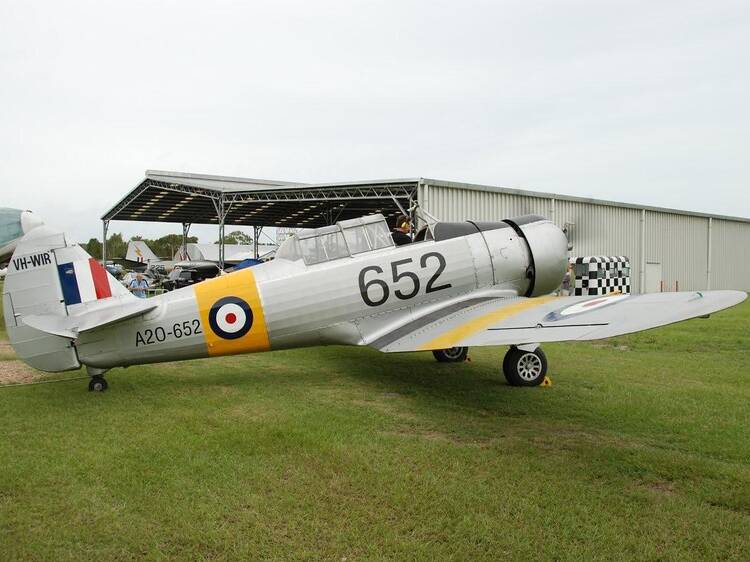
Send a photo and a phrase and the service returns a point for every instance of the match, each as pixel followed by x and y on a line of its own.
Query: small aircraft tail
pixel 52 289
pixel 138 251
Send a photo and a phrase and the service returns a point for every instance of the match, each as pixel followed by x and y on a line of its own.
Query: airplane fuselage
pixel 284 303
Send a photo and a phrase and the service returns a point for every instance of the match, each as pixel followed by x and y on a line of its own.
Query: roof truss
pixel 159 199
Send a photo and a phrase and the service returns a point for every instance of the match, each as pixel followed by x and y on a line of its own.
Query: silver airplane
pixel 459 285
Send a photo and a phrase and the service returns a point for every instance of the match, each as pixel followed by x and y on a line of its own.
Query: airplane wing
pixel 520 320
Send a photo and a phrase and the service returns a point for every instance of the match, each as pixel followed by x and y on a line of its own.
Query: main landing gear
pixel 525 366
pixel 97 383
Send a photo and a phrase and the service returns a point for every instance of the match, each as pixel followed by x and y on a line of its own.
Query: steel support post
pixel 185 233
pixel 642 273
pixel 412 225
pixel 256 235
pixel 222 216
pixel 105 227
pixel 708 257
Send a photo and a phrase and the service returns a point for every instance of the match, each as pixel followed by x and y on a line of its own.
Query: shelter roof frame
pixel 200 199
pixel 205 199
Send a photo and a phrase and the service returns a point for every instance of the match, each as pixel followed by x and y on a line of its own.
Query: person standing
pixel 565 287
pixel 138 286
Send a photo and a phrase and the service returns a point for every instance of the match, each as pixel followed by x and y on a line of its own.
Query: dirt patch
pixel 6 350
pixel 610 345
pixel 250 412
pixel 426 435
pixel 15 372
pixel 664 487
pixel 660 487
pixel 388 408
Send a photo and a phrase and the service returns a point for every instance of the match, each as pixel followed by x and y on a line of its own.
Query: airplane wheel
pixel 525 368
pixel 98 384
pixel 451 355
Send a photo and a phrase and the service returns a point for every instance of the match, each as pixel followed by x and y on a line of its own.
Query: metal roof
pixel 589 200
pixel 201 199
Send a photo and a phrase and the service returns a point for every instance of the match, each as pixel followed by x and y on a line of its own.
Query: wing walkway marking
pixel 425 320
pixel 471 327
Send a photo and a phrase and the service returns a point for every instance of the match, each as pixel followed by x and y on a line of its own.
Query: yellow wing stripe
pixel 471 327
pixel 240 284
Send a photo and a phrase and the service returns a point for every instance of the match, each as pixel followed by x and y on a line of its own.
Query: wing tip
pixel 737 296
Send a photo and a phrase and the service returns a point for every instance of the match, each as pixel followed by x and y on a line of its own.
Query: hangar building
pixel 668 249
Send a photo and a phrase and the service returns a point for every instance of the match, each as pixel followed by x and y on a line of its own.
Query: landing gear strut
pixel 97 382
pixel 523 367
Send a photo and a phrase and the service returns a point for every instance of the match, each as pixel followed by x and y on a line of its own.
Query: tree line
pixel 164 247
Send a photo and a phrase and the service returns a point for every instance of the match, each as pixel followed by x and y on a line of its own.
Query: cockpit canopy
pixel 341 240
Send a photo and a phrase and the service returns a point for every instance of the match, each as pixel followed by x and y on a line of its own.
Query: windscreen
pixel 379 235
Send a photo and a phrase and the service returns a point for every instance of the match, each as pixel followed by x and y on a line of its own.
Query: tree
pixel 116 246
pixel 237 237
pixel 167 245
pixel 93 247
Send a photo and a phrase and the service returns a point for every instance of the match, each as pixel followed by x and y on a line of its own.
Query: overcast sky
pixel 639 101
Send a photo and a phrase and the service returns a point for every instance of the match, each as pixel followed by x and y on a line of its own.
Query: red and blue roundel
pixel 230 318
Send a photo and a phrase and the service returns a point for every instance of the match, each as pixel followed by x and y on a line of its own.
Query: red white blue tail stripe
pixel 84 281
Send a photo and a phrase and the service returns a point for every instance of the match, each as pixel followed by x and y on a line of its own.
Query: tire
pixel 525 368
pixel 451 355
pixel 98 384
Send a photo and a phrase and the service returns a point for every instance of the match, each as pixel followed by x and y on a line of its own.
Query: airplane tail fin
pixel 138 251
pixel 50 278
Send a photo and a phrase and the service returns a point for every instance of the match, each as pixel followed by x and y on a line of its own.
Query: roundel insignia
pixel 586 306
pixel 230 318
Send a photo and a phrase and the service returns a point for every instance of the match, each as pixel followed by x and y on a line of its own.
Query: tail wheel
pixel 451 355
pixel 525 368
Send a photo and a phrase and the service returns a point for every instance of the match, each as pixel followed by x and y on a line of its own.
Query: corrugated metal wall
pixel 679 243
pixel 730 255
pixel 454 204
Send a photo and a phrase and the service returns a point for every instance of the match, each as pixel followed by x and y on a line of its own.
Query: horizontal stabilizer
pixel 71 326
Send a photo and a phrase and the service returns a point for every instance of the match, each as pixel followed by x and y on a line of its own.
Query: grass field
pixel 639 450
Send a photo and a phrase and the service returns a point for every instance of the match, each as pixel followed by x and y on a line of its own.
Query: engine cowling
pixel 548 252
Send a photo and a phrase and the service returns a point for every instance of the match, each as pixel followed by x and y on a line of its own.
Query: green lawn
pixel 639 450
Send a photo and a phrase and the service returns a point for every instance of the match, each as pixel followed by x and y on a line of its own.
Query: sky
pixel 639 101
